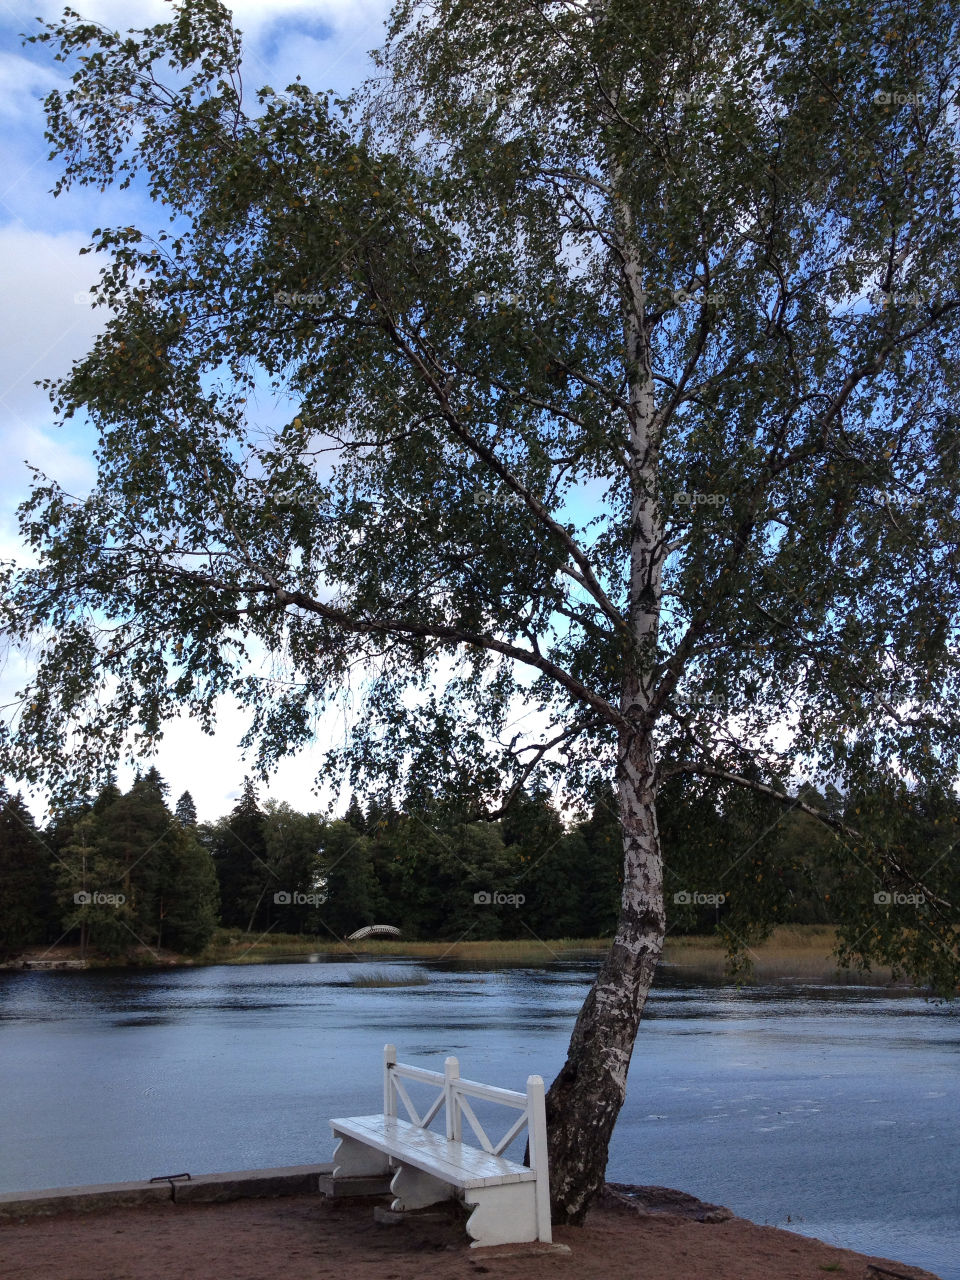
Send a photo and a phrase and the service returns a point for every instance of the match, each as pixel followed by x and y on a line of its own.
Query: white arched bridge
pixel 374 931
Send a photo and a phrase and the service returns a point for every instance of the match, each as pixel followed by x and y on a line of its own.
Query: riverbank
pixel 799 953
pixel 306 1237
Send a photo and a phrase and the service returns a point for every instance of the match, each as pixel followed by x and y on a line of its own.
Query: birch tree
pixel 584 394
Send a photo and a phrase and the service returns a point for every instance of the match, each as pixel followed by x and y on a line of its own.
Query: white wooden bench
pixel 511 1202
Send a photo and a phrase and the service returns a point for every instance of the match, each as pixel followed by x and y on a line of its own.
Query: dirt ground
pixel 311 1238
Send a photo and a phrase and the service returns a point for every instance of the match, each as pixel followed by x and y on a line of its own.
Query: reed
pixel 380 978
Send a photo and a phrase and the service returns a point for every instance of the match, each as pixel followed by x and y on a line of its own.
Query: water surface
pixel 832 1111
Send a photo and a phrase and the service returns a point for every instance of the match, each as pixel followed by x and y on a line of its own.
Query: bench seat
pixel 451 1162
pixel 509 1203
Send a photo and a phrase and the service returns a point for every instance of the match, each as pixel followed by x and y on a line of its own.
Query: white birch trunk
pixel 585 1099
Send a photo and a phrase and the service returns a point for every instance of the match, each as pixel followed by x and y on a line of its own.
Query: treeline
pixel 123 872
pixel 126 871
pixel 119 873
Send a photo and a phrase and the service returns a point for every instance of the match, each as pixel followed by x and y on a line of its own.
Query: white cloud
pixel 212 770
pixel 210 767
pixel 42 327
pixel 347 22
pixel 22 82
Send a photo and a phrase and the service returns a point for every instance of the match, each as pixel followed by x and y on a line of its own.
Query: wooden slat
pixel 405 1099
pixel 433 1109
pixel 432 1154
pixel 475 1125
pixel 518 1124
pixel 449 1161
pixel 506 1097
pixel 418 1073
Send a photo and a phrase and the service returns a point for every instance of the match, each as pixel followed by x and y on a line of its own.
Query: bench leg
pixel 353 1159
pixel 414 1189
pixel 503 1215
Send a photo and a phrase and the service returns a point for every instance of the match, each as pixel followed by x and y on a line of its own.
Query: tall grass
pixel 233 948
pixel 799 952
pixel 380 978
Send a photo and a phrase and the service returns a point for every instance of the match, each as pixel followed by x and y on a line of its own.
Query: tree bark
pixel 585 1099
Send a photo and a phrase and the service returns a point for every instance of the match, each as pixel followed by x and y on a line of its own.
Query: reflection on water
pixel 833 1108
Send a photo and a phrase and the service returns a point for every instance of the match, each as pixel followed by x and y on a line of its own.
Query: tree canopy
pixel 599 363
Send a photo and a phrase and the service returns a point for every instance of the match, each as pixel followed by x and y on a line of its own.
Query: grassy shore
pixel 801 952
pixel 793 952
pixel 235 949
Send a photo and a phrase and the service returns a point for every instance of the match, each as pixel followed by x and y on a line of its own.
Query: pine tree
pixel 355 815
pixel 189 892
pixel 547 862
pixel 348 880
pixel 152 781
pixel 134 834
pixel 384 824
pixel 109 794
pixel 293 844
pixel 600 875
pixel 151 882
pixel 26 882
pixel 186 810
pixel 242 864
pixel 93 883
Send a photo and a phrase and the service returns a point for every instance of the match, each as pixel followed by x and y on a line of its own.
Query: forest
pixel 122 872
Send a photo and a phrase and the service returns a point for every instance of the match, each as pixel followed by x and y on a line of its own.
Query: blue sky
pixel 43 327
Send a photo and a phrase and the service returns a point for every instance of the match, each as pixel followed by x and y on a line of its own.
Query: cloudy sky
pixel 327 43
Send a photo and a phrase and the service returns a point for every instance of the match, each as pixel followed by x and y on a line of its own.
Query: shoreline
pixel 249 1230
pixel 794 953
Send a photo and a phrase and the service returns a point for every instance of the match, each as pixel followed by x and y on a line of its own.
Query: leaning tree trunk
pixel 585 1099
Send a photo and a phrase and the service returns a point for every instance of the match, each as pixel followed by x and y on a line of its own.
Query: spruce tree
pixel 293 853
pixel 189 894
pixel 26 881
pixel 348 880
pixel 186 810
pixel 242 863
pixel 355 816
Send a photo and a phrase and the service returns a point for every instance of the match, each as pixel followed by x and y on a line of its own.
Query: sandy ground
pixel 310 1238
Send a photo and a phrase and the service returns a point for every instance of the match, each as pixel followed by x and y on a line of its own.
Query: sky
pixel 43 325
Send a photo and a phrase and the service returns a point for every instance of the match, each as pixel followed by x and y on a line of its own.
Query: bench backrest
pixel 453 1098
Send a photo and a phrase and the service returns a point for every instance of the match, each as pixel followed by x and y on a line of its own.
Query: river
pixel 830 1111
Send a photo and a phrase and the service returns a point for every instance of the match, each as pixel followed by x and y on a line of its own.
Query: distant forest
pixel 121 872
